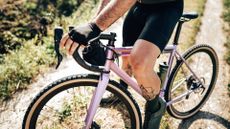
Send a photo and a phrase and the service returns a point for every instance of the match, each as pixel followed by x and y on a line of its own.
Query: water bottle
pixel 163 68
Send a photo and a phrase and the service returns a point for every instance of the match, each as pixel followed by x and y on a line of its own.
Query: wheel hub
pixel 196 86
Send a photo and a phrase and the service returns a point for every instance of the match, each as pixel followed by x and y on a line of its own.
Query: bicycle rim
pixel 203 61
pixel 64 105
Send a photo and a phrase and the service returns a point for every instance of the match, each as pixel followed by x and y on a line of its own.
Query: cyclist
pixel 147 27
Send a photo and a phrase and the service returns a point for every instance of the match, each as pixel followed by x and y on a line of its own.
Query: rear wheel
pixel 64 104
pixel 203 61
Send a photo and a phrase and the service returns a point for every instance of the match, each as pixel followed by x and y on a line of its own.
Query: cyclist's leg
pixel 143 58
pixel 131 32
pixel 127 68
pixel 126 65
pixel 155 34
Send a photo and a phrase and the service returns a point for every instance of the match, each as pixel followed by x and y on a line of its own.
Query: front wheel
pixel 203 61
pixel 64 104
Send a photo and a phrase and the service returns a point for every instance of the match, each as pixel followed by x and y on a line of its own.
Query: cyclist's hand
pixel 68 44
pixel 80 35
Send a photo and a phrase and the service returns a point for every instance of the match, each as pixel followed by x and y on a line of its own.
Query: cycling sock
pixel 153 105
pixel 154 110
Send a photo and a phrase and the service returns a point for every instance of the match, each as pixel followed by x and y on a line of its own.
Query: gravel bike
pixel 75 101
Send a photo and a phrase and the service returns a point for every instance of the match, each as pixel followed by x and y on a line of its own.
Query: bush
pixel 24 20
pixel 226 13
pixel 17 25
pixel 21 66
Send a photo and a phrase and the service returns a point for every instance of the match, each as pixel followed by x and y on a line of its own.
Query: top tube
pixel 125 51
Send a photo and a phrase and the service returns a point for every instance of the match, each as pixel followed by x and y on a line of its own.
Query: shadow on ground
pixel 185 124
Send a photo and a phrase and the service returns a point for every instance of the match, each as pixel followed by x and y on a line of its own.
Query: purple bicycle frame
pixel 111 66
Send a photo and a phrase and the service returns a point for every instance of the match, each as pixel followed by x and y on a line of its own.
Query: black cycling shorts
pixel 154 23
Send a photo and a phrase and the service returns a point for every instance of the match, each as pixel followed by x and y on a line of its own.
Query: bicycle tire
pixel 89 81
pixel 172 109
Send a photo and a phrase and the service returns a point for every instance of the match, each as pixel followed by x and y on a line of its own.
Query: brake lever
pixel 58 32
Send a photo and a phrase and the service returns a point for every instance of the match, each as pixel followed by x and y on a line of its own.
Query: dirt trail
pixel 214 115
pixel 216 112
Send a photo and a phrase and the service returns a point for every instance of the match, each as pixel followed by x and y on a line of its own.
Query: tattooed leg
pixel 142 59
pixel 148 92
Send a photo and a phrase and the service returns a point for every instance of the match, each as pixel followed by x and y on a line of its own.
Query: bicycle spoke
pixel 196 77
pixel 100 110
pixel 180 82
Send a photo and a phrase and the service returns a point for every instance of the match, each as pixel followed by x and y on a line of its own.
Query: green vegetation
pixel 226 16
pixel 29 18
pixel 65 112
pixel 19 67
pixel 190 29
pixel 26 44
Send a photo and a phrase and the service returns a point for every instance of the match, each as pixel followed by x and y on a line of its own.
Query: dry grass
pixel 191 28
pixel 226 17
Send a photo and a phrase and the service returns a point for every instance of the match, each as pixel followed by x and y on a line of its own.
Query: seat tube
pixel 170 62
pixel 98 93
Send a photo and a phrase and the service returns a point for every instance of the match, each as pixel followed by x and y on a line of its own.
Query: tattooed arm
pixel 102 6
pixel 107 15
pixel 113 11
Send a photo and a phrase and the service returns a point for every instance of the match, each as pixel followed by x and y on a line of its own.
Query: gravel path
pixel 214 115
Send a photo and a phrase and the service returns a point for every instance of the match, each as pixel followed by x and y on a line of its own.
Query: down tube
pixel 125 77
pixel 98 93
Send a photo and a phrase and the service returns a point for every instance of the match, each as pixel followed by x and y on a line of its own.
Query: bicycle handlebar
pixel 84 64
pixel 58 32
